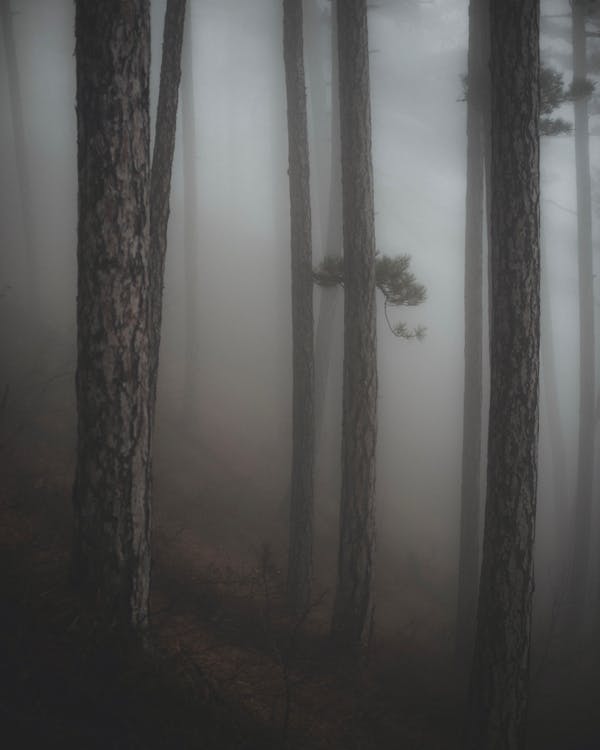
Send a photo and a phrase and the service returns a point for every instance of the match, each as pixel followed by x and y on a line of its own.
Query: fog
pixel 223 434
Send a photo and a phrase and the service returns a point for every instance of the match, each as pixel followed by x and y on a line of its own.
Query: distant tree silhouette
pixel 303 426
pixel 328 170
pixel 23 167
pixel 580 91
pixel 477 96
pixel 191 236
pixel 162 163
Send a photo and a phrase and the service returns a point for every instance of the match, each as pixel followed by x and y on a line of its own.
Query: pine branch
pixel 394 280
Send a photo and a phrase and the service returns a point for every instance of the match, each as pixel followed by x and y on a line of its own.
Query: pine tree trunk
pixel 112 484
pixel 585 454
pixel 301 499
pixel 353 601
pixel 162 163
pixel 328 189
pixel 468 569
pixel 500 678
pixel 325 345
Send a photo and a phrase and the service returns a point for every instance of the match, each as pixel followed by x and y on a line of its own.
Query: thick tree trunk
pixel 301 500
pixel 353 601
pixel 468 568
pixel 112 484
pixel 585 463
pixel 24 186
pixel 191 237
pixel 162 163
pixel 500 678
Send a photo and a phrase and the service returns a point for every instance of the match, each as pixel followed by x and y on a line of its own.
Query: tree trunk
pixel 301 500
pixel 549 387
pixel 112 483
pixel 24 186
pixel 353 601
pixel 328 190
pixel 500 678
pixel 191 237
pixel 585 463
pixel 162 163
pixel 468 568
pixel 325 344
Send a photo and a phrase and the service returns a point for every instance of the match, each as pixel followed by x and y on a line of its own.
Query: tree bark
pixel 500 677
pixel 162 164
pixel 585 453
pixel 113 475
pixel 353 601
pixel 325 346
pixel 303 438
pixel 469 564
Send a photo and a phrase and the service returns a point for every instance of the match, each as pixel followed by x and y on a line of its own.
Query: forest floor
pixel 225 666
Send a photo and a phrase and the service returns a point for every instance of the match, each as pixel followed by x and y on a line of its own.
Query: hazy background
pixel 228 452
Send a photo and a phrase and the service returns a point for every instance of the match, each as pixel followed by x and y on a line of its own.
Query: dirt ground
pixel 224 666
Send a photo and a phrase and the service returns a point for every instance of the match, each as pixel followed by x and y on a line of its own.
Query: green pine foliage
pixel 553 94
pixel 552 90
pixel 581 88
pixel 393 278
pixel 555 126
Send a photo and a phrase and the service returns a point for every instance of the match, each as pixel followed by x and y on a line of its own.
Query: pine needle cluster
pixel 393 278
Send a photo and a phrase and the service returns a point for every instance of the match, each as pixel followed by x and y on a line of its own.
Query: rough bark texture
pixel 468 568
pixel 353 602
pixel 585 454
pixel 301 498
pixel 112 484
pixel 500 678
pixel 162 163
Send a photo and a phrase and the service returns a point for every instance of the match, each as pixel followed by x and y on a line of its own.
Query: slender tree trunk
pixel 468 569
pixel 549 386
pixel 328 183
pixel 191 236
pixel 23 172
pixel 585 463
pixel 353 601
pixel 301 500
pixel 319 117
pixel 325 344
pixel 112 484
pixel 162 163
pixel 500 678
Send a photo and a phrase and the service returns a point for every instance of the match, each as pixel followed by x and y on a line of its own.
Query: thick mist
pixel 240 413
pixel 223 432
